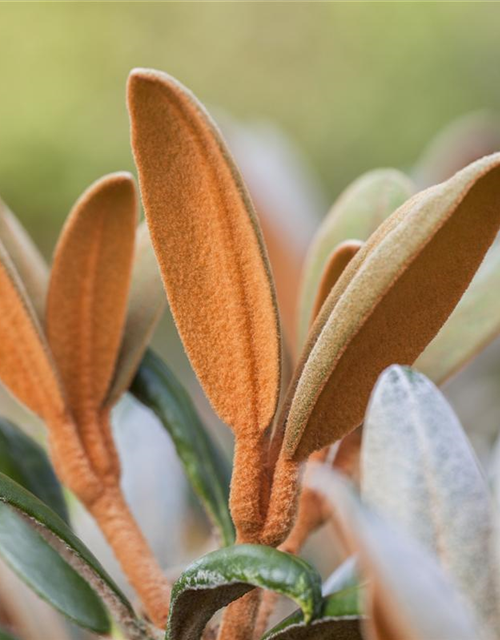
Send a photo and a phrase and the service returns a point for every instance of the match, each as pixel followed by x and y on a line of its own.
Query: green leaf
pixel 57 533
pixel 356 214
pixel 156 387
pixel 472 326
pixel 339 617
pixel 419 470
pixel 5 635
pixel 25 461
pixel 45 571
pixel 222 576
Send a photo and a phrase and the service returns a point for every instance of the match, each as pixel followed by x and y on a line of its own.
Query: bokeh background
pixel 310 95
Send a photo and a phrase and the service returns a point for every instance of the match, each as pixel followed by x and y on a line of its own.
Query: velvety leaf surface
pixel 44 570
pixel 358 211
pixel 419 470
pixel 390 302
pixel 210 250
pixel 25 461
pixel 27 259
pixel 156 387
pixel 472 326
pixel 227 574
pixel 408 594
pixel 145 307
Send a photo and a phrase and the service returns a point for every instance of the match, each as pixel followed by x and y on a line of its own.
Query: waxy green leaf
pixel 408 594
pixel 25 461
pixel 419 470
pixel 222 576
pixel 156 387
pixel 39 565
pixel 357 212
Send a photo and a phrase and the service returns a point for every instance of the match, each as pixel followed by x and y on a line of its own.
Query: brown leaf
pixel 209 247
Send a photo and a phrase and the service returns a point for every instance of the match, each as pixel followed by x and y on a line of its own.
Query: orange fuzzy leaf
pixel 390 302
pixel 210 250
pixel 88 290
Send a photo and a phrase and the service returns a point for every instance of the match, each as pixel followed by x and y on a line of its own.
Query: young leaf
pixel 418 469
pixel 28 261
pixel 24 460
pixel 26 365
pixel 88 290
pixel 60 536
pixel 156 387
pixel 358 211
pixel 222 576
pixel 210 250
pixel 390 302
pixel 145 307
pixel 409 596
pixel 339 617
pixel 472 326
pixel 45 571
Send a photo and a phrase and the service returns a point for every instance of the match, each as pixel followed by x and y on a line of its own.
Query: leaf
pixel 339 618
pixel 472 326
pixel 358 211
pixel 25 461
pixel 45 571
pixel 156 387
pixel 409 595
pixel 28 261
pixel 390 302
pixel 222 576
pixel 418 469
pixel 5 635
pixel 26 365
pixel 337 261
pixel 145 308
pixel 88 290
pixel 210 250
pixel 60 536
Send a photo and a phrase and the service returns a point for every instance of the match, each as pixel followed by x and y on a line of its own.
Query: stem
pixel 238 622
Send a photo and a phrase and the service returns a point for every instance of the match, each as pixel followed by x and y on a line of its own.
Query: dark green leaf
pixel 222 576
pixel 24 460
pixel 59 535
pixel 45 571
pixel 156 387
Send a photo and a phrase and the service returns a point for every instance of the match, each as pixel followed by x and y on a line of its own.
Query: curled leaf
pixel 210 250
pixel 390 302
pixel 409 595
pixel 419 470
pixel 28 261
pixel 88 290
pixel 145 307
pixel 358 211
pixel 222 576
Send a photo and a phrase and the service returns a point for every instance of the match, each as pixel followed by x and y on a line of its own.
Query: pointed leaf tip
pixel 210 249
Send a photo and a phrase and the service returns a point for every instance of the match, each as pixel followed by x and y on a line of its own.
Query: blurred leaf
pixel 222 576
pixel 408 594
pixel 419 470
pixel 45 571
pixel 58 534
pixel 147 301
pixel 357 212
pixel 5 635
pixel 25 461
pixel 390 302
pixel 345 576
pixel 339 618
pixel 472 326
pixel 156 387
pixel 28 261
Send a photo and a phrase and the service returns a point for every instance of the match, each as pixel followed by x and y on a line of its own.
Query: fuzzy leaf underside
pixel 156 387
pixel 225 575
pixel 24 460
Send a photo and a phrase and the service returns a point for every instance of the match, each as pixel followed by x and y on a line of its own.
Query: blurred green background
pixel 355 86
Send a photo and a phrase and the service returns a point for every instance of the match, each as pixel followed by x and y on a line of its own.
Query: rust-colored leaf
pixel 390 302
pixel 209 246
